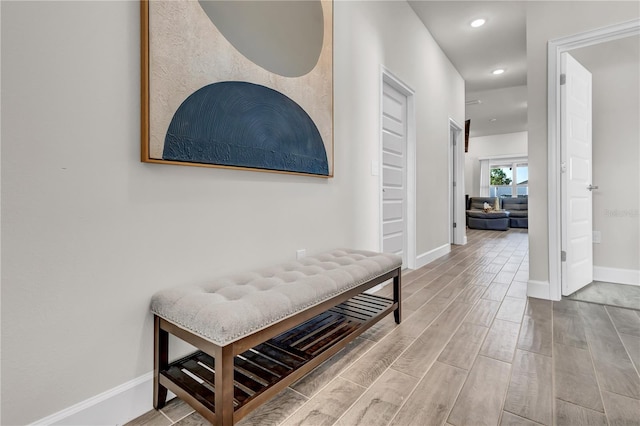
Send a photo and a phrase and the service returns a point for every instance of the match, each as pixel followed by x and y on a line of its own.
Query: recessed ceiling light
pixel 478 23
pixel 498 71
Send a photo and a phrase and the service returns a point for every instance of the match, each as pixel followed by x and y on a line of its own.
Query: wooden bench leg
pixel 397 296
pixel 160 362
pixel 224 373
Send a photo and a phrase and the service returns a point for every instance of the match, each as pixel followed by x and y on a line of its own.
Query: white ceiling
pixel 475 52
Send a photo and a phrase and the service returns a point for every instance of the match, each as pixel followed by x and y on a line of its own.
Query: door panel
pixel 394 243
pixel 394 176
pixel 393 194
pixel 577 217
pixel 393 227
pixel 392 211
pixel 392 142
pixel 393 160
pixel 393 127
pixel 392 105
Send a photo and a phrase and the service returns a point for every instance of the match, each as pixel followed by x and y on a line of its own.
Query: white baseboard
pixel 538 289
pixel 421 260
pixel 116 406
pixel 431 255
pixel 616 275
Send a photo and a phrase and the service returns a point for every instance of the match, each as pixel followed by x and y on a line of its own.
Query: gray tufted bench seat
pixel 258 332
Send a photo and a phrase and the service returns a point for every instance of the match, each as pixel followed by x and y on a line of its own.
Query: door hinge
pixel 454 184
pixel 563 79
pixel 563 256
pixel 455 225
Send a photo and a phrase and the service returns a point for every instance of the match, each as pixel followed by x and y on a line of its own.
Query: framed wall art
pixel 238 84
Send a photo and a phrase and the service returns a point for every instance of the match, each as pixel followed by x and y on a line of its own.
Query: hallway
pixel 471 350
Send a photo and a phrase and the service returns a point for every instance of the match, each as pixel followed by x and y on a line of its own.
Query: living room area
pixel 497 177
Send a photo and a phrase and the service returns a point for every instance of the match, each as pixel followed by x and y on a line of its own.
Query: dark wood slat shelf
pixel 263 366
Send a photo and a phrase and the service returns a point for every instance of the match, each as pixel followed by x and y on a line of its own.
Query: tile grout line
pixel 604 407
pixel 184 417
pixel 593 365
pixel 168 418
pixel 300 393
pixel 371 386
pixel 622 341
pixel 310 397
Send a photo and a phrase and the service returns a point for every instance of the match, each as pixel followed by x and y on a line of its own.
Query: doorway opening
pixel 556 213
pixel 457 205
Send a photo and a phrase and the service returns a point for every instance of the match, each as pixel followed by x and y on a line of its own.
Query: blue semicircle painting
pixel 242 124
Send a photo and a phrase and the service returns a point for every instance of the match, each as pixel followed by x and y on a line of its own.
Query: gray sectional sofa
pixel 493 220
pixel 518 209
pixel 513 213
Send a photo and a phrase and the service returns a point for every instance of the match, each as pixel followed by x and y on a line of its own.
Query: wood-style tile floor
pixel 472 349
pixel 624 296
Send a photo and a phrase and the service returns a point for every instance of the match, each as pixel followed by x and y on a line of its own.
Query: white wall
pixel 547 21
pixel 89 233
pixel 371 34
pixel 616 151
pixel 489 146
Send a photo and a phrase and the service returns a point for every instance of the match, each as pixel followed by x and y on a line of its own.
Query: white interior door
pixel 575 140
pixel 394 175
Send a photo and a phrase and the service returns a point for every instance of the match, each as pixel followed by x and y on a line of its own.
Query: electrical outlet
pixel 301 253
pixel 597 237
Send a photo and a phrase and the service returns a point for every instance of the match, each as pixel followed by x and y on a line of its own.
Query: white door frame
pixel 387 77
pixel 555 49
pixel 456 157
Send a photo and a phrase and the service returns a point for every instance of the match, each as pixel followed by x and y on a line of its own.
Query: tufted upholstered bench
pixel 258 332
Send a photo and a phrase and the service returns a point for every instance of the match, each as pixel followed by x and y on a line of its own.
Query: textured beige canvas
pixel 188 52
